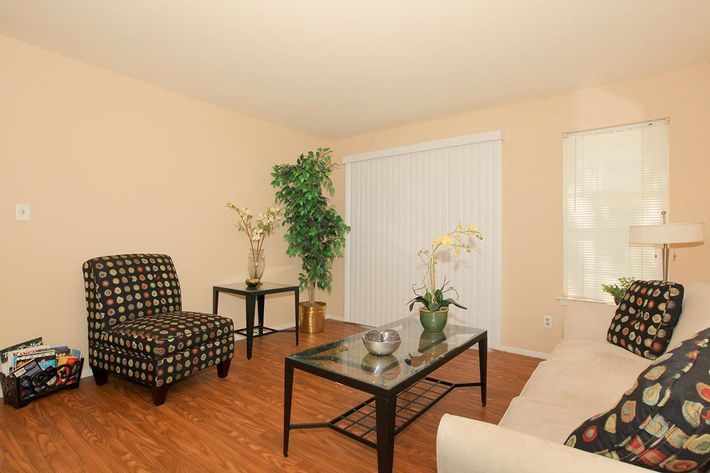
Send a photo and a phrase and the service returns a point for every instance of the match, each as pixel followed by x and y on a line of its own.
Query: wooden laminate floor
pixel 234 424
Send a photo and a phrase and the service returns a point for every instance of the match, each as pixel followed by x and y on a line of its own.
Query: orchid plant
pixel 430 295
pixel 256 229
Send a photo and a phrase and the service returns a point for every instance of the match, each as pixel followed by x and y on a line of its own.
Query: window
pixel 613 178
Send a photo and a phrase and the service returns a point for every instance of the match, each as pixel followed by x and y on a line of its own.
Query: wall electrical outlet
pixel 547 321
pixel 22 212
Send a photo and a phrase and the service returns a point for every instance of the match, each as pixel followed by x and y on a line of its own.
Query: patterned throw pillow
pixel 646 317
pixel 663 421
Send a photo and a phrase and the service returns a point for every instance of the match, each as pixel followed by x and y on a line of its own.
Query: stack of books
pixel 32 356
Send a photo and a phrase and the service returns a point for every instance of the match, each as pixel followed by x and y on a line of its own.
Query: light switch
pixel 23 212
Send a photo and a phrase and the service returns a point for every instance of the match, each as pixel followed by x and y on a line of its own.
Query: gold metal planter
pixel 312 317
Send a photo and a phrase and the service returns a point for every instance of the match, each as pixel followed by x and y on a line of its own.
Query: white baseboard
pixel 86 372
pixel 521 351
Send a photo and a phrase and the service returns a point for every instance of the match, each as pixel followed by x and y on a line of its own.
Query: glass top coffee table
pixel 400 384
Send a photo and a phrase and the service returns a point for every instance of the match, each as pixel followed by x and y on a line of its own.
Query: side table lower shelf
pixel 259 331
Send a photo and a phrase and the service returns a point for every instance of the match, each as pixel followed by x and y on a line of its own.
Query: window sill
pixel 564 300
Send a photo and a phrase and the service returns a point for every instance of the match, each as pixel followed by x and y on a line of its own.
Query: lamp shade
pixel 666 233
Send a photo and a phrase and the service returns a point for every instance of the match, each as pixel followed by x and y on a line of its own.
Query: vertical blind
pixel 613 178
pixel 397 201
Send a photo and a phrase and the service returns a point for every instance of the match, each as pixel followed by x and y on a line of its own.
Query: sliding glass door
pixel 397 201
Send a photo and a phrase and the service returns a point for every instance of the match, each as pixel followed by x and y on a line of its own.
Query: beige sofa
pixel 584 375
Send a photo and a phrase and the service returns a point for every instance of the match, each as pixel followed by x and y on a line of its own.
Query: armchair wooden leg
pixel 223 368
pixel 100 376
pixel 159 394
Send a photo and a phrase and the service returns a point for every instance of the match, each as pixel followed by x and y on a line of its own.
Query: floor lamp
pixel 665 235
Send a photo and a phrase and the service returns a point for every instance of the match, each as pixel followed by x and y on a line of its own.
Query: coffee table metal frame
pixel 423 392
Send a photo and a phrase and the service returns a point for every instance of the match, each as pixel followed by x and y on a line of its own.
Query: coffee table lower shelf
pixel 359 423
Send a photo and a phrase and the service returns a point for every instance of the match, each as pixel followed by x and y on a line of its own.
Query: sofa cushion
pixel 585 320
pixel 597 353
pixel 164 334
pixel 696 313
pixel 548 419
pixel 579 379
pixel 646 317
pixel 662 422
pixel 589 388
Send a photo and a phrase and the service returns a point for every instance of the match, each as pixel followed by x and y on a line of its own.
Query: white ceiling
pixel 336 68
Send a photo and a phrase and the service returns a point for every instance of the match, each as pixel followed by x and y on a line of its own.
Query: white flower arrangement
pixel 256 230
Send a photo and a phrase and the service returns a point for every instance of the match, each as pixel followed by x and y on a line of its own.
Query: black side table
pixel 255 296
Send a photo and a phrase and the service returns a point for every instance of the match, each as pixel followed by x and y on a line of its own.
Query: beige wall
pixel 532 181
pixel 113 165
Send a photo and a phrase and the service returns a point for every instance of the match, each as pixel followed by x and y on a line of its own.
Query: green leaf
pixel 419 299
pixel 450 301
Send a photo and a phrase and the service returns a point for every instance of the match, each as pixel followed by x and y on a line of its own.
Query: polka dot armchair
pixel 138 330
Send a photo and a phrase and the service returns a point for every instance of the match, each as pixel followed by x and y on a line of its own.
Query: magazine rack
pixel 20 391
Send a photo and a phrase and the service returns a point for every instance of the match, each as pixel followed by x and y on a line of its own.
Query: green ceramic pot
pixel 434 321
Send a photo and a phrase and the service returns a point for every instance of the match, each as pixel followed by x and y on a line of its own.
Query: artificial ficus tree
pixel 315 233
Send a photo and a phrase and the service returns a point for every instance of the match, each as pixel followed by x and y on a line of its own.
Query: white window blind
pixel 613 178
pixel 397 201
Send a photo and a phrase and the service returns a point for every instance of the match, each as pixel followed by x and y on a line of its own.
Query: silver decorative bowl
pixel 380 365
pixel 382 343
